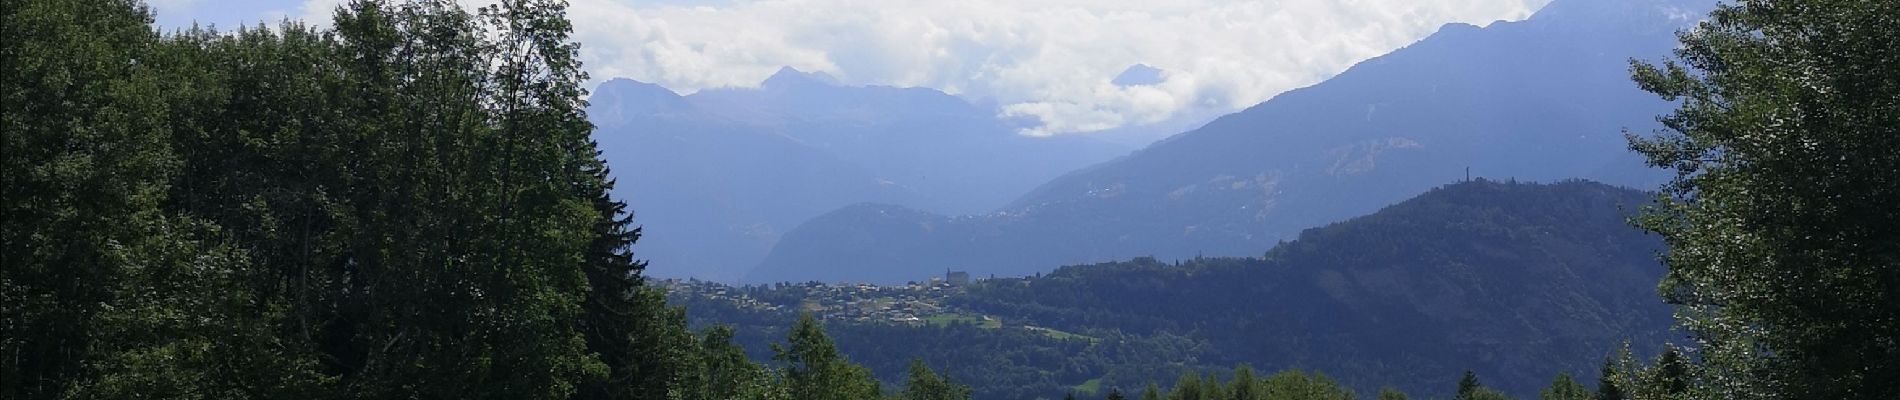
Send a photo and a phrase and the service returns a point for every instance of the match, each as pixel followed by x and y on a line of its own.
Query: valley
pixel 1516 281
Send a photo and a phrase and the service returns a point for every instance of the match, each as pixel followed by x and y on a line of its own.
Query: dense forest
pixel 409 205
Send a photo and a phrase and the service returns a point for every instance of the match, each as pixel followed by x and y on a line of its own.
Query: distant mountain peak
pixel 788 77
pixel 620 98
pixel 1458 26
pixel 1138 75
pixel 623 86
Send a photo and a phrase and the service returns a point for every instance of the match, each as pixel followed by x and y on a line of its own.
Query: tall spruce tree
pixel 1468 386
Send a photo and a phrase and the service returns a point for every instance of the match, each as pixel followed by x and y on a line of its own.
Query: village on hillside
pixel 913 303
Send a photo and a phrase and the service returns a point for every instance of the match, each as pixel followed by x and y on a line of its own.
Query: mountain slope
pixel 1545 98
pixel 718 175
pixel 1515 281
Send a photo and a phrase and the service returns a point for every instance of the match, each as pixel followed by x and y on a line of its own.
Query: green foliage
pixel 815 370
pixel 1189 387
pixel 1487 394
pixel 1283 385
pixel 727 373
pixel 85 169
pixel 1468 385
pixel 1670 375
pixel 1245 386
pixel 406 205
pixel 1299 385
pixel 925 384
pixel 1565 388
pixel 1470 389
pixel 1391 394
pixel 1784 247
pixel 1608 388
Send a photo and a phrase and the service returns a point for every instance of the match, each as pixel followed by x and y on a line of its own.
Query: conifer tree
pixel 1468 385
pixel 1565 388
pixel 1151 392
pixel 1607 386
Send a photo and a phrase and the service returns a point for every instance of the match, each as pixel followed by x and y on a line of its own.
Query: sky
pixel 1053 60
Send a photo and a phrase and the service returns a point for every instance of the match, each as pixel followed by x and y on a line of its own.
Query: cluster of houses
pixel 914 303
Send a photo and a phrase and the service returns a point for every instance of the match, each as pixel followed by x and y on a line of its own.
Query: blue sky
pixel 1052 60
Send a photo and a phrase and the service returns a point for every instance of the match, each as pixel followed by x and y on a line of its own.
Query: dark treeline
pixel 1624 378
pixel 407 205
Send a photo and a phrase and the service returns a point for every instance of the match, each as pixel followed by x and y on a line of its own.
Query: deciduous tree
pixel 1784 241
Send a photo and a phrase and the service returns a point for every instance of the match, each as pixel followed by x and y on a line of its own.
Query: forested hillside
pixel 1515 281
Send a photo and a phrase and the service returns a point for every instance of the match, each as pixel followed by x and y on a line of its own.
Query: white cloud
pixel 1050 59
pixel 319 12
pixel 170 4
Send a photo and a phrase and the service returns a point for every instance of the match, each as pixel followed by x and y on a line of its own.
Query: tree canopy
pixel 1784 243
pixel 407 205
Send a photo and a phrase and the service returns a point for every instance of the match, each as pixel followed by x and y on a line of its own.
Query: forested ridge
pixel 408 204
pixel 1516 281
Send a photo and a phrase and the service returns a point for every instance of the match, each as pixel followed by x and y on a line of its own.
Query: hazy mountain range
pixel 717 176
pixel 1542 99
